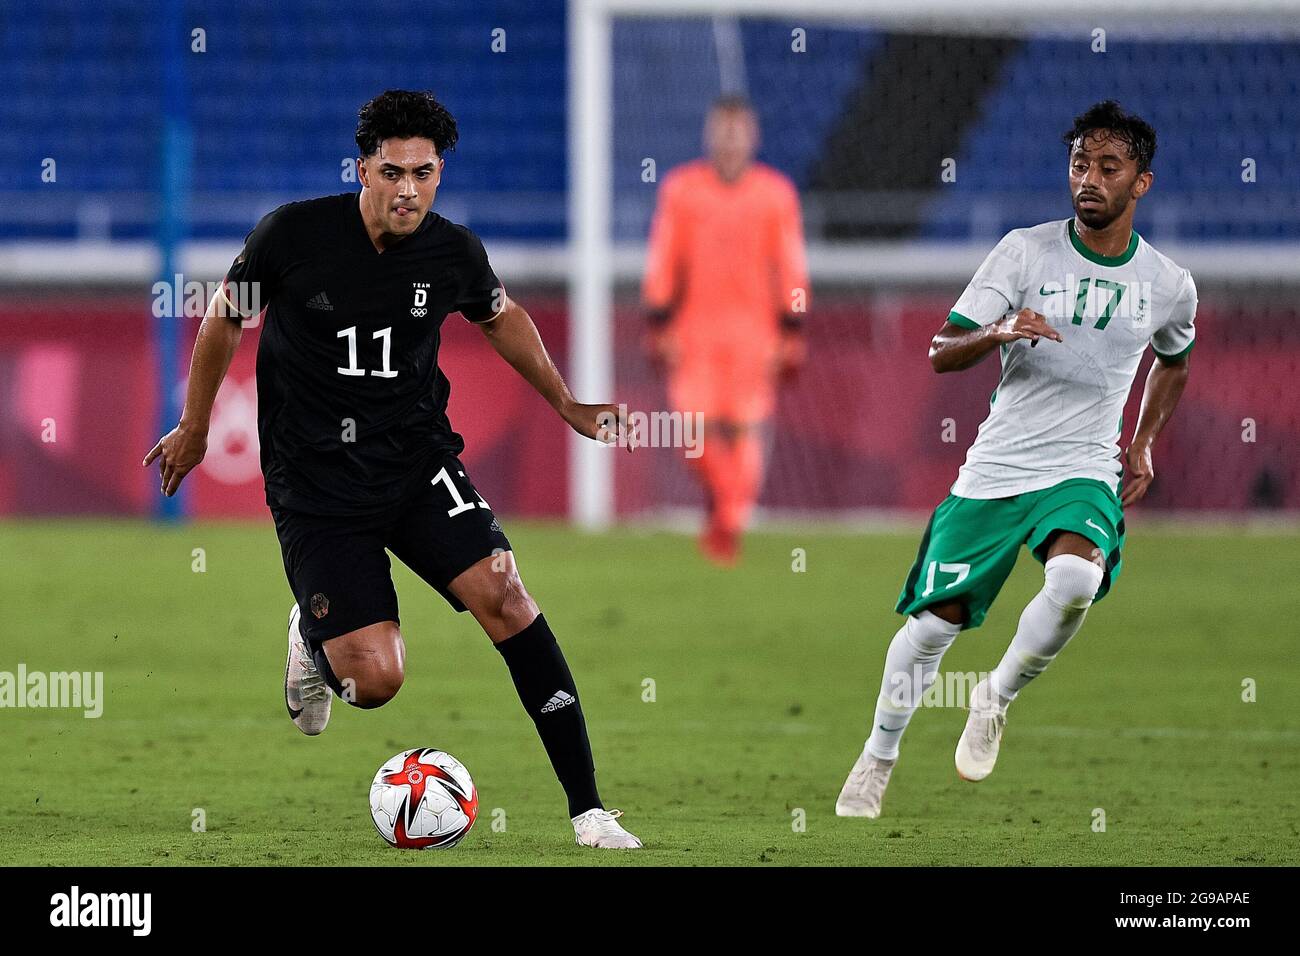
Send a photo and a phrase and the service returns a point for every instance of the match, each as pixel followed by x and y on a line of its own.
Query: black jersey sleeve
pixel 254 276
pixel 482 297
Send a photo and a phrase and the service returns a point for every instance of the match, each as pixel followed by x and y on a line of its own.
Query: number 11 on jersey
pixel 352 369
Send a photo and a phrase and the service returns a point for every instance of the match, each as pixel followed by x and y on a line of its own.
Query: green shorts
pixel 971 544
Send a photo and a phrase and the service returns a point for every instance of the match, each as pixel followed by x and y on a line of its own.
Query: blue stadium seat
pixel 1212 104
pixel 273 100
pixel 273 106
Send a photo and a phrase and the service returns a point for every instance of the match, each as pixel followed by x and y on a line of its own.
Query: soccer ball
pixel 423 799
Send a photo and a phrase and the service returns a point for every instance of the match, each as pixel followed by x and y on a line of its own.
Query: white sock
pixel 1048 621
pixel 911 664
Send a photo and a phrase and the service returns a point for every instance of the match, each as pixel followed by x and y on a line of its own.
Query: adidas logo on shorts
pixel 558 699
pixel 320 301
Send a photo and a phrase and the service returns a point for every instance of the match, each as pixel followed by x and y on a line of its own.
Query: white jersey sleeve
pixel 994 290
pixel 1173 340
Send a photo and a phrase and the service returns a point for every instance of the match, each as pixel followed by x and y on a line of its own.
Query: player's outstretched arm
pixel 955 348
pixel 1165 384
pixel 181 449
pixel 514 336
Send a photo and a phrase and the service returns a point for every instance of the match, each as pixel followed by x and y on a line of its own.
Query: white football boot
pixel 600 828
pixel 977 750
pixel 306 694
pixel 864 791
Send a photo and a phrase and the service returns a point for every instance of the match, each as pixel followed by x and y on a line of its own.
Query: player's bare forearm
pixel 515 338
pixel 180 450
pixel 955 348
pixel 214 348
pixel 1164 387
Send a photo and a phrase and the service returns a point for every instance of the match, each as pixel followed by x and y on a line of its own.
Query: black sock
pixel 548 693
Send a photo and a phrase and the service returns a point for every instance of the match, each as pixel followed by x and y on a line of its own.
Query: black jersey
pixel 351 404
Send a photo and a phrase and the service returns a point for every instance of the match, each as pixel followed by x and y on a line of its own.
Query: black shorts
pixel 338 567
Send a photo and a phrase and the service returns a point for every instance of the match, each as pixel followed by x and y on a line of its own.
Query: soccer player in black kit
pixel 357 452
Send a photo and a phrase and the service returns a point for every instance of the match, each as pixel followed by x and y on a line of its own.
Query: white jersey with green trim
pixel 1057 410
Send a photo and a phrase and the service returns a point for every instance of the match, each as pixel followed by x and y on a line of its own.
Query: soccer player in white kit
pixel 1070 306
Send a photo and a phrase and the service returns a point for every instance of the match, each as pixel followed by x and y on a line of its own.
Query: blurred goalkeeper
pixel 726 288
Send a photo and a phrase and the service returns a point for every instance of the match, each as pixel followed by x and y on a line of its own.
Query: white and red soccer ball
pixel 423 799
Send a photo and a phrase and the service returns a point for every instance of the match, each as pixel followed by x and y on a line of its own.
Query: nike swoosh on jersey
pixel 1044 290
pixel 1092 524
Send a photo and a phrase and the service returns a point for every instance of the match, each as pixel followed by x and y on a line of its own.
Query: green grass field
pixel 764 680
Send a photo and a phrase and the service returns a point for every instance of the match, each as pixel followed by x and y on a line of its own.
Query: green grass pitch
pixel 764 679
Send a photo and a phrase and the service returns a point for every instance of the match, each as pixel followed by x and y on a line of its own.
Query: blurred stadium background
pixel 142 140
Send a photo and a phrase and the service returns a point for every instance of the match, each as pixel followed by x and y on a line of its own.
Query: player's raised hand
pixel 1140 472
pixel 792 355
pixel 607 424
pixel 1025 324
pixel 659 351
pixel 178 453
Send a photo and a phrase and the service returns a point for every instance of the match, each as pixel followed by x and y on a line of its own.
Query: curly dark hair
pixel 405 114
pixel 1128 128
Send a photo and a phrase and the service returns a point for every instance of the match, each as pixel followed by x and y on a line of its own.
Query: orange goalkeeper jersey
pixel 727 259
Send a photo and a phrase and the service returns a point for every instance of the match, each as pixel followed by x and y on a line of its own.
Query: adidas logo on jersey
pixel 558 699
pixel 320 301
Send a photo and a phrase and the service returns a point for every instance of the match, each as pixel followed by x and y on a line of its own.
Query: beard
pixel 1100 217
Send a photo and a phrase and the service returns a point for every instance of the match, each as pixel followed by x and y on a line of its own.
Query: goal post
pixel 591 475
